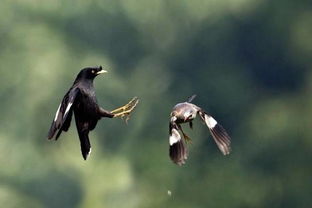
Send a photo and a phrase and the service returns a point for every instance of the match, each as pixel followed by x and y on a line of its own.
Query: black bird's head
pixel 90 72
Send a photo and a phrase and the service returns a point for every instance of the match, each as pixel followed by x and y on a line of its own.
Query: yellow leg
pixel 187 138
pixel 124 111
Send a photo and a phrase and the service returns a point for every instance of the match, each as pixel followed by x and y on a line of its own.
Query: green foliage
pixel 249 62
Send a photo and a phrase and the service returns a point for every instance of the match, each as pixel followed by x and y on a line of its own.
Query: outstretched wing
pixel 177 147
pixel 218 133
pixel 63 114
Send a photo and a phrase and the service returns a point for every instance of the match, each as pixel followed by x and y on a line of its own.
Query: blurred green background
pixel 249 62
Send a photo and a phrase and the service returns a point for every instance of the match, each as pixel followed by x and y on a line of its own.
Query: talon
pixel 131 104
pixel 124 111
pixel 187 138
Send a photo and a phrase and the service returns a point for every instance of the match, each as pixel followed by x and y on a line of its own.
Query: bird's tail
pixel 190 99
pixel 85 144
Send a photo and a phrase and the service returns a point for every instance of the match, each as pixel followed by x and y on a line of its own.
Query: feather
pixel 177 148
pixel 63 114
pixel 218 133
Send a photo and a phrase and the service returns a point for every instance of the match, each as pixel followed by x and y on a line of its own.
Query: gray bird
pixel 185 113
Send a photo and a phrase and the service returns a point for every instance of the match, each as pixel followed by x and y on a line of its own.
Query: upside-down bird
pixel 185 113
pixel 81 101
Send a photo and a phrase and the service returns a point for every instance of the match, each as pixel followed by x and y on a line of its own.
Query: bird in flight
pixel 185 113
pixel 81 101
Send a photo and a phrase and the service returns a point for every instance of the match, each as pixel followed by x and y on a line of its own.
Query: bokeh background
pixel 249 62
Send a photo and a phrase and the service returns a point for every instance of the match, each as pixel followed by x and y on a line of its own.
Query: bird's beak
pixel 173 119
pixel 101 72
pixel 187 118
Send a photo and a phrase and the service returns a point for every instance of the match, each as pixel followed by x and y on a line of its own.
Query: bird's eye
pixel 92 71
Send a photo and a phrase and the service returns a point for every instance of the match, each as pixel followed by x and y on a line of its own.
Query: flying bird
pixel 81 101
pixel 185 113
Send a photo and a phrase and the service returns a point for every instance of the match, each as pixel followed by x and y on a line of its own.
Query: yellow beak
pixel 101 72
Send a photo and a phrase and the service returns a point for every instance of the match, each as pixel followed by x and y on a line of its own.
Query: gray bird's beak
pixel 173 119
pixel 101 72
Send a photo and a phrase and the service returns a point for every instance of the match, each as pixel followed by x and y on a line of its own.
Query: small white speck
pixel 169 193
pixel 88 154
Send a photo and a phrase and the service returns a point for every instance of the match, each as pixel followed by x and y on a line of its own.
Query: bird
pixel 81 101
pixel 186 112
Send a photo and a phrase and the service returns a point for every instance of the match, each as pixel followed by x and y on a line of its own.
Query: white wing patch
pixel 175 137
pixel 211 122
pixel 68 108
pixel 57 112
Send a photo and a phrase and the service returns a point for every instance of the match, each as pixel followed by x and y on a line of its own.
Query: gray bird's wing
pixel 218 133
pixel 177 148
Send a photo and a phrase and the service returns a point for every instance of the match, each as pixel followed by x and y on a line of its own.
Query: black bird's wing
pixel 218 133
pixel 63 114
pixel 177 148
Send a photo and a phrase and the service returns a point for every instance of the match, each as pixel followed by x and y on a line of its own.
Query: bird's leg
pixel 191 124
pixel 124 111
pixel 105 113
pixel 187 138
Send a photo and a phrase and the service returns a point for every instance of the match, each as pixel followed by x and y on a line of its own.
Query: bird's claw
pixel 187 138
pixel 124 111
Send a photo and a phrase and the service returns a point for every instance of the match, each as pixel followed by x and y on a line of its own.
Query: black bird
pixel 81 100
pixel 186 112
